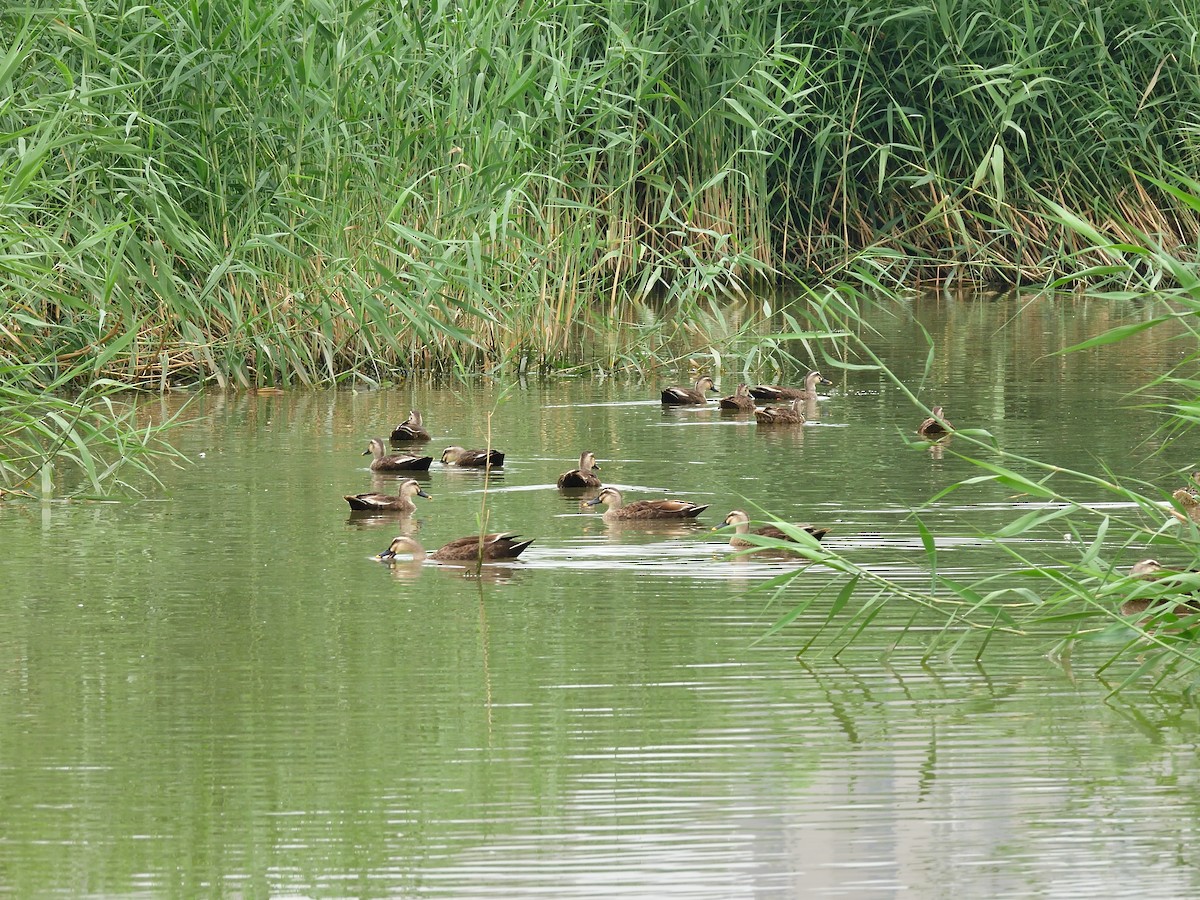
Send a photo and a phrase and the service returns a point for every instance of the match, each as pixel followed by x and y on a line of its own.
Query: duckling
pixel 581 477
pixel 473 548
pixel 472 459
pixel 1152 570
pixel 741 523
pixel 777 392
pixel 781 415
pixel 740 400
pixel 387 503
pixel 643 509
pixel 404 462
pixel 411 428
pixel 935 426
pixel 694 396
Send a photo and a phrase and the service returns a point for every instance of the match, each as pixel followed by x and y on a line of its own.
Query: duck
pixel 472 459
pixel 402 503
pixel 740 399
pixel 693 396
pixel 411 428
pixel 778 392
pixel 473 548
pixel 581 477
pixel 1153 570
pixel 1187 501
pixel 404 462
pixel 643 509
pixel 781 415
pixel 935 426
pixel 741 524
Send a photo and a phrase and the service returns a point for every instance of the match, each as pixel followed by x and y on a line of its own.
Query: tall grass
pixel 299 193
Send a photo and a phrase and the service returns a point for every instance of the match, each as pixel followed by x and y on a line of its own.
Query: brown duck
pixel 619 511
pixel 935 426
pixel 739 400
pixel 404 462
pixel 472 459
pixel 488 547
pixel 402 503
pixel 1152 570
pixel 693 396
pixel 781 415
pixel 779 392
pixel 581 477
pixel 741 524
pixel 411 428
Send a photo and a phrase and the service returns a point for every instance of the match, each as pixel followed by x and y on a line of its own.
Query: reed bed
pixel 296 194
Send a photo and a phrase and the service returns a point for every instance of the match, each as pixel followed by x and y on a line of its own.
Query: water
pixel 217 691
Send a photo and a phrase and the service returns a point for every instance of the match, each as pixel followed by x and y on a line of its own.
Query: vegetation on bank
pixel 299 193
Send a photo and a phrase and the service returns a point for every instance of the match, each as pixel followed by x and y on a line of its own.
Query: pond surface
pixel 216 691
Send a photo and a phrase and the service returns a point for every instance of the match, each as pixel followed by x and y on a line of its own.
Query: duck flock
pixel 584 480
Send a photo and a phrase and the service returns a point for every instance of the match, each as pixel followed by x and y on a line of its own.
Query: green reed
pixel 298 193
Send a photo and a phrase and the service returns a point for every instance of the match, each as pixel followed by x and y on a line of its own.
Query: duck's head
pixel 587 460
pixel 411 486
pixel 705 384
pixel 606 495
pixel 817 378
pixel 1146 568
pixel 374 447
pixel 450 454
pixel 401 544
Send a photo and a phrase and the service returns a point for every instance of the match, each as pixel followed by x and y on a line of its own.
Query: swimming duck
pixel 741 523
pixel 694 396
pixel 1152 570
pixel 404 462
pixel 781 415
pixel 740 400
pixel 472 459
pixel 935 426
pixel 643 509
pixel 500 545
pixel 581 477
pixel 1189 503
pixel 411 428
pixel 386 502
pixel 777 392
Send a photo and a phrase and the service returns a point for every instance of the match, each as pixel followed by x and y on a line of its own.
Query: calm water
pixel 216 691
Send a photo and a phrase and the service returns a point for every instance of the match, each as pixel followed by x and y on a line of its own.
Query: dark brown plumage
pixel 643 509
pixel 693 396
pixel 375 502
pixel 741 523
pixel 488 547
pixel 411 429
pixel 781 415
pixel 404 462
pixel 581 477
pixel 472 459
pixel 778 392
pixel 740 400
pixel 935 426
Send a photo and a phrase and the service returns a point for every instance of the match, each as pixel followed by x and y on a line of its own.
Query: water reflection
pixel 257 707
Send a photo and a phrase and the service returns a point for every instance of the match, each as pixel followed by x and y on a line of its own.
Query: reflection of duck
pixel 472 459
pixel 404 462
pixel 499 545
pixel 386 502
pixel 935 426
pixel 411 428
pixel 792 414
pixel 777 392
pixel 643 509
pixel 741 524
pixel 694 396
pixel 1152 570
pixel 581 477
pixel 740 400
